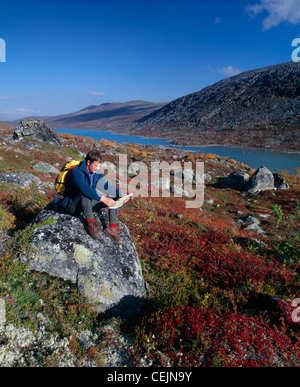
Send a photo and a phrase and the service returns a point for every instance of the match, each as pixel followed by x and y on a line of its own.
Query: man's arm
pixel 105 188
pixel 81 184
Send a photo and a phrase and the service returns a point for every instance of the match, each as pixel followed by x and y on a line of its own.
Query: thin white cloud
pixel 218 20
pixel 14 98
pixel 279 11
pixel 8 98
pixel 230 71
pixel 96 93
pixel 18 110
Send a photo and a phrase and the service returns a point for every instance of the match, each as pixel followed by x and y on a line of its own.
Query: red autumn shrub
pixel 187 336
pixel 208 255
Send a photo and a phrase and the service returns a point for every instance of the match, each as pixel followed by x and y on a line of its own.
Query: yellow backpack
pixel 61 177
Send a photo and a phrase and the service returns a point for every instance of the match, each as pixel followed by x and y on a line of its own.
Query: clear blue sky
pixel 64 55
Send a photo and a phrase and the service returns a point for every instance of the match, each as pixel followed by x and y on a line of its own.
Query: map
pixel 120 202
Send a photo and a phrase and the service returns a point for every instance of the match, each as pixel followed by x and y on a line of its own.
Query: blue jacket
pixel 79 181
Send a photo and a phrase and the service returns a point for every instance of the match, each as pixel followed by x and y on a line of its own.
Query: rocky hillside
pixel 220 280
pixel 258 108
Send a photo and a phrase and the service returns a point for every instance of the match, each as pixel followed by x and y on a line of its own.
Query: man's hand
pixel 107 201
pixel 126 199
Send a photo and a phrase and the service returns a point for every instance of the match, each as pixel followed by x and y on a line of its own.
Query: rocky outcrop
pixel 109 276
pixel 262 180
pixel 38 130
pixel 22 180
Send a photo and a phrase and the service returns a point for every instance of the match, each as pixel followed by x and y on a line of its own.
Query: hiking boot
pixel 93 229
pixel 112 232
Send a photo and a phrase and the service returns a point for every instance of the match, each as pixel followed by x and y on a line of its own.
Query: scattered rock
pixel 254 227
pixel 185 174
pixel 262 180
pixel 22 347
pixel 236 180
pixel 30 146
pixel 264 216
pixel 259 243
pixel 250 220
pixel 38 130
pixel 163 183
pixel 180 192
pixel 2 312
pixel 251 223
pixel 45 168
pixel 3 238
pixel 22 179
pixel 279 182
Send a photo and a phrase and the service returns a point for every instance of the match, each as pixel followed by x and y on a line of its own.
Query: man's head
pixel 93 161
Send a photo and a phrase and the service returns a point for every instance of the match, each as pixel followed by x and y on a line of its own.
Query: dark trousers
pixel 81 204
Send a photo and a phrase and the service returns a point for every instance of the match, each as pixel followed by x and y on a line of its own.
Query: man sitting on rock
pixel 83 197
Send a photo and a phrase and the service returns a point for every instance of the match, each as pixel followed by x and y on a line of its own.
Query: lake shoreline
pixel 255 157
pixel 240 146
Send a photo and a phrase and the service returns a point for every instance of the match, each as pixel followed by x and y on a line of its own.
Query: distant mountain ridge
pixel 258 108
pixel 112 116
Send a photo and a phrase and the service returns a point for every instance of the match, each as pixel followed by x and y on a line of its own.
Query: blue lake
pixel 255 158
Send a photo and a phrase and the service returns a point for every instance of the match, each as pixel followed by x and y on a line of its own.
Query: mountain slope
pixel 257 108
pixel 105 116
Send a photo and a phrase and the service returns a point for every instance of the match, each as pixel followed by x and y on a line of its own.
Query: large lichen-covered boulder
pixel 38 130
pixel 109 276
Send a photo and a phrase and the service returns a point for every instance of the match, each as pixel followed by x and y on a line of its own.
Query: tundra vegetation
pixel 217 294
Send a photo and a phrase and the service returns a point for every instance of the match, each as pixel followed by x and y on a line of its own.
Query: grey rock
pixel 22 179
pixel 180 192
pixel 236 180
pixel 250 220
pixel 163 183
pixel 262 180
pixel 22 347
pixel 279 182
pixel 45 168
pixel 254 227
pixel 38 130
pixel 186 174
pixel 250 223
pixel 109 276
pixel 259 243
pixel 2 312
pixel 3 238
